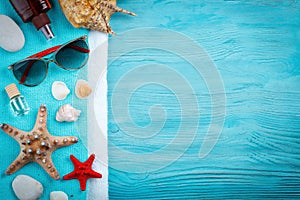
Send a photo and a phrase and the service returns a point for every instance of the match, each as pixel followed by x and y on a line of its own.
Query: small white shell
pixel 60 90
pixel 82 89
pixel 66 113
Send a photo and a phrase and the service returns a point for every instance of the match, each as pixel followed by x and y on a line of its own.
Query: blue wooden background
pixel 255 46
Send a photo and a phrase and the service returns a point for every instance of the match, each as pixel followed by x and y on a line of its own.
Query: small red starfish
pixel 83 171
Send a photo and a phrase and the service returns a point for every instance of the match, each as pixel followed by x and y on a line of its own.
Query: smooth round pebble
pixel 58 195
pixel 11 36
pixel 27 188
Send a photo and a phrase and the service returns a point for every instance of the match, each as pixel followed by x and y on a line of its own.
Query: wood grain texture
pixel 255 46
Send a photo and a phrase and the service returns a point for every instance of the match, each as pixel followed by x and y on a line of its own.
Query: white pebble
pixel 11 36
pixel 58 195
pixel 27 188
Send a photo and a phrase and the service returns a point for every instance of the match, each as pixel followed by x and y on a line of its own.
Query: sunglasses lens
pixel 30 72
pixel 73 55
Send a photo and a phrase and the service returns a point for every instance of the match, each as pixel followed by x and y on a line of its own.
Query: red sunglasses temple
pixel 55 48
pixel 45 53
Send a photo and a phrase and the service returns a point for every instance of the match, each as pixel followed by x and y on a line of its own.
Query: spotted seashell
pixel 82 89
pixel 66 113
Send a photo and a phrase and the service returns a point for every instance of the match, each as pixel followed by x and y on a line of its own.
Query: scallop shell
pixel 60 90
pixel 91 14
pixel 82 89
pixel 66 113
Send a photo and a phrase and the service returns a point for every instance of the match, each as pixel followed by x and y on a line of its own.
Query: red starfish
pixel 83 171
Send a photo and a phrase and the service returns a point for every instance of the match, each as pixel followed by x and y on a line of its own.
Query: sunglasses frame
pixel 53 50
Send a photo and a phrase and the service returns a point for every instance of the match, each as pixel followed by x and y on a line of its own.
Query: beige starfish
pixel 37 145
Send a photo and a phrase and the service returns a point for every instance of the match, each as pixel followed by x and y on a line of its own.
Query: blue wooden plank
pixel 255 46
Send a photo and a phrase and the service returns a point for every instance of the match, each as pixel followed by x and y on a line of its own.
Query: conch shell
pixel 66 113
pixel 82 89
pixel 91 14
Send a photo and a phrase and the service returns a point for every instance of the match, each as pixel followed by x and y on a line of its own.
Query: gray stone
pixel 27 188
pixel 11 36
pixel 58 195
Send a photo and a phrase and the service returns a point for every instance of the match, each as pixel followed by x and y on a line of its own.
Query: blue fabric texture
pixel 35 42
